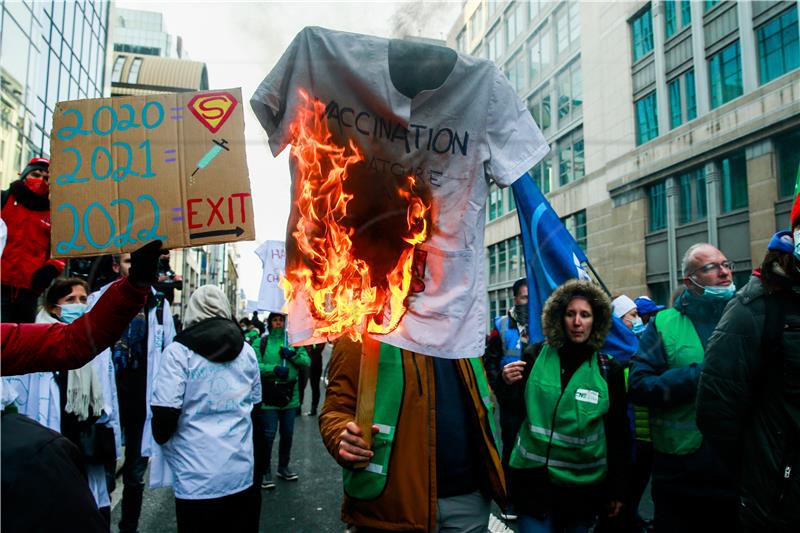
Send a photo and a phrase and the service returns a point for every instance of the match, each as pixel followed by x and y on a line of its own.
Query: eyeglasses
pixel 708 268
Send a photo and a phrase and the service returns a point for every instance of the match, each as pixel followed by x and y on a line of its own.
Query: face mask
pixel 638 326
pixel 722 294
pixel 521 314
pixel 71 312
pixel 37 186
pixel 797 243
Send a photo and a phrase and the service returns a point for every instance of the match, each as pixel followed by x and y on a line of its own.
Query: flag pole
pixel 367 384
pixel 598 279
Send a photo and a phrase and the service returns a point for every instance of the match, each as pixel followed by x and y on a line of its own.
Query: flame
pixel 342 295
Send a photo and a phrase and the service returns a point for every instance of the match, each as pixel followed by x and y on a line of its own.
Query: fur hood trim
pixel 556 305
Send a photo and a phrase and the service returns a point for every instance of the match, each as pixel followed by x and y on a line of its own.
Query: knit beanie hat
pixel 37 163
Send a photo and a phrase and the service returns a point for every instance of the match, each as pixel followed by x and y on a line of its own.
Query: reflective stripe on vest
pixel 674 429
pixel 486 397
pixel 370 482
pixel 564 431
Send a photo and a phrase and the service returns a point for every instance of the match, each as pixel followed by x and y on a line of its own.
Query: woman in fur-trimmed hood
pixel 571 459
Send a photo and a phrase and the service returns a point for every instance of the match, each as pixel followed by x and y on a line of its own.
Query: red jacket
pixel 28 246
pixel 26 348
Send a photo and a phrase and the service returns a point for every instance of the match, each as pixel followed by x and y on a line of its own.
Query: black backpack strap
pixel 604 362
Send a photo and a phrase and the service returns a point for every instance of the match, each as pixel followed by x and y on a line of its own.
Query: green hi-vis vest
pixel 368 483
pixel 674 429
pixel 564 431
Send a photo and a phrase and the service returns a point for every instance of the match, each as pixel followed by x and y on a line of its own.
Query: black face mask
pixel 521 314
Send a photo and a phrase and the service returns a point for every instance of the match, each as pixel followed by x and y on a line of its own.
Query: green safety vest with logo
pixel 368 483
pixel 674 429
pixel 564 431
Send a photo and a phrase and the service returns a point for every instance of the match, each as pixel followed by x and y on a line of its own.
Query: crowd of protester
pixel 704 408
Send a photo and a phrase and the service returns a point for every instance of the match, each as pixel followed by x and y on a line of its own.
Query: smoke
pixel 420 18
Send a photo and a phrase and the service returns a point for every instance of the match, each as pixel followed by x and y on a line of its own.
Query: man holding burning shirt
pixel 394 147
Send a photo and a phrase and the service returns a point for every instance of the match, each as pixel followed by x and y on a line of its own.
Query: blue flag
pixel 552 257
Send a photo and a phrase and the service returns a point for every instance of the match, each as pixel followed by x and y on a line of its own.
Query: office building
pixel 49 51
pixel 669 122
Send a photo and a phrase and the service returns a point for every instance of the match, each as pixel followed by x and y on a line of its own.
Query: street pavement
pixel 310 504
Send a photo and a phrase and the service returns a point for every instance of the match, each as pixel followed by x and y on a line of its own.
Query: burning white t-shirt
pixel 457 138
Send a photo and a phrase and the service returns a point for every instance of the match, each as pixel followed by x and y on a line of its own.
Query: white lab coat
pixel 211 451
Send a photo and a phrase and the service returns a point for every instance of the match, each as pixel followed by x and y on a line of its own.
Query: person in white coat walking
pixel 204 392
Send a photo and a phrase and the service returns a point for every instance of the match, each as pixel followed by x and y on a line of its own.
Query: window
pixel 692 196
pixel 513 23
pixel 571 163
pixel 533 10
pixel 460 46
pixel 725 75
pixel 494 45
pixel 116 73
pixel 541 175
pixel 657 204
pixel 475 26
pixel 682 101
pixel 788 162
pixel 539 106
pixel 646 119
pixel 691 97
pixel 568 26
pixel 686 13
pixel 670 18
pixel 539 55
pixel 642 34
pixel 576 225
pixel 569 93
pixel 675 111
pixel 778 50
pixel 516 72
pixel 710 4
pixel 734 182
pixel 133 73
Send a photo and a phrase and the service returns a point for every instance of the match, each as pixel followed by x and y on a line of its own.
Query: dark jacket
pixel 27 250
pixel 748 402
pixel 652 383
pixel 44 481
pixel 531 490
pixel 409 501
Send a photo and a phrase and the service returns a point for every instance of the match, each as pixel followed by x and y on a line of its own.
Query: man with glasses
pixel 26 269
pixel 691 489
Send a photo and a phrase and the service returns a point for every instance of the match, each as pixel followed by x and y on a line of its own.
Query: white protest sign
pixel 273 257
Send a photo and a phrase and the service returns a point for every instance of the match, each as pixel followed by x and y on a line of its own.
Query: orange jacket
pixel 408 503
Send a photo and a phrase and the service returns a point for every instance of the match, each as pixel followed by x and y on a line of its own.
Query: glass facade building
pixel 670 122
pixel 50 51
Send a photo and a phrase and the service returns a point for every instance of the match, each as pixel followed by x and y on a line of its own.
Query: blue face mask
pixel 71 312
pixel 638 326
pixel 722 294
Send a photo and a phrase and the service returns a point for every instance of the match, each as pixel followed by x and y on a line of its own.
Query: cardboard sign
pixel 129 170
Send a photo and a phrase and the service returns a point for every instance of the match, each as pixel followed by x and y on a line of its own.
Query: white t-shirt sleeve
pixel 169 385
pixel 273 100
pixel 515 142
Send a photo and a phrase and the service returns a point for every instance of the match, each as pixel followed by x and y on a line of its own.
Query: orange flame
pixel 343 297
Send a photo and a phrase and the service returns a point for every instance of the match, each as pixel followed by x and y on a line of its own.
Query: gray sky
pixel 241 41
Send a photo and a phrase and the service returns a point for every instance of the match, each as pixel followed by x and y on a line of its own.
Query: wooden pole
pixel 367 382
